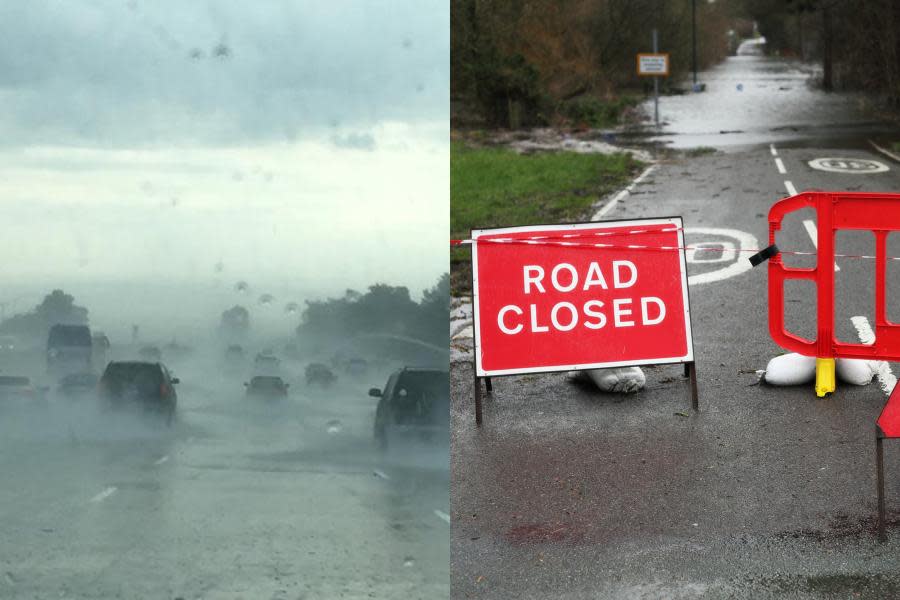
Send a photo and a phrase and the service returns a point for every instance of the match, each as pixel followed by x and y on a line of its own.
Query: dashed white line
pixel 773 150
pixel 814 236
pixel 780 165
pixel 161 460
pixel 442 516
pixel 792 191
pixel 380 474
pixel 882 369
pixel 104 494
pixel 615 199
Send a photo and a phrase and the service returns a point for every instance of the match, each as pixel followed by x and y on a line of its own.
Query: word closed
pixel 567 297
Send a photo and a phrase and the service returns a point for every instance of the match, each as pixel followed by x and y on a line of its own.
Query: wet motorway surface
pixel 766 492
pixel 239 498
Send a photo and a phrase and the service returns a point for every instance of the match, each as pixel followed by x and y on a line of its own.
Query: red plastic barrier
pixel 878 213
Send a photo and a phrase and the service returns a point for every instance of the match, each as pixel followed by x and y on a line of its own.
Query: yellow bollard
pixel 824 376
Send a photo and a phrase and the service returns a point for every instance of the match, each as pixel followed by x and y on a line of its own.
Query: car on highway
pixel 319 374
pixel 266 363
pixel 69 349
pixel 19 389
pixel 145 385
pixel 267 387
pixel 78 384
pixel 414 405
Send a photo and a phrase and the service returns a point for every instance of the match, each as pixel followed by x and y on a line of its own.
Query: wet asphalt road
pixel 236 500
pixel 766 492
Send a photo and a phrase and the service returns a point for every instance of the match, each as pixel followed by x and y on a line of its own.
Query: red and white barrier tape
pixel 550 241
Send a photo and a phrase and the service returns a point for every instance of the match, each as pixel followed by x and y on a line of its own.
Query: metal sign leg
pixel 879 468
pixel 477 390
pixel 488 385
pixel 690 370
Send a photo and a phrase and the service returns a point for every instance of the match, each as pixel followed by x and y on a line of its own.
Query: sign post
pixel 888 427
pixel 654 65
pixel 580 296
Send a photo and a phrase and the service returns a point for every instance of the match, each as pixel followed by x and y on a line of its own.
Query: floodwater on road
pixel 753 99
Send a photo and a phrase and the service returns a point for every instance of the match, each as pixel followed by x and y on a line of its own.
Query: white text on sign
pixel 566 316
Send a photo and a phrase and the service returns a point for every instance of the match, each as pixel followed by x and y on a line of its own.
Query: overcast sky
pixel 298 141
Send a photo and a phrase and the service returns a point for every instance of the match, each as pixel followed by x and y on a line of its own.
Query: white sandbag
pixel 791 369
pixel 618 379
pixel 854 370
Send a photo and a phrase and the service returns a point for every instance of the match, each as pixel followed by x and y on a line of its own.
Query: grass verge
pixel 495 187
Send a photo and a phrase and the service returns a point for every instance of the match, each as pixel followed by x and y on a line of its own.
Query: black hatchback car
pixel 147 385
pixel 414 405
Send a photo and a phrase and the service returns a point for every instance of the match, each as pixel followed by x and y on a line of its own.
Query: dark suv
pixel 147 385
pixel 415 404
pixel 266 386
pixel 69 349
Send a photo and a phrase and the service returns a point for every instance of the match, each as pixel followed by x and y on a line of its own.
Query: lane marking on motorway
pixel 442 516
pixel 773 150
pixel 791 190
pixel 814 236
pixel 780 165
pixel 615 199
pixel 105 494
pixel 882 369
pixel 381 474
pixel 162 460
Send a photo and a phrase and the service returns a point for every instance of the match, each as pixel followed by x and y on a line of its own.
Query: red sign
pixel 889 419
pixel 580 296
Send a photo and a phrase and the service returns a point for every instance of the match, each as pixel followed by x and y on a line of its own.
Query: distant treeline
pixel 524 62
pixel 857 42
pixel 56 307
pixel 383 309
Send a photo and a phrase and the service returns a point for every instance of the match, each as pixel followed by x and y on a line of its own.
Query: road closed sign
pixel 580 296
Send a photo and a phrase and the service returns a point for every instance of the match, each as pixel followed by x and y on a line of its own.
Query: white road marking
pixel 885 151
pixel 814 236
pixel 791 190
pixel 162 460
pixel 780 165
pixel 381 474
pixel 442 516
pixel 745 241
pixel 615 199
pixel 773 150
pixel 882 369
pixel 854 166
pixel 104 494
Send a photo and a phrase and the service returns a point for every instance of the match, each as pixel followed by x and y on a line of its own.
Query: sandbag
pixel 618 379
pixel 854 370
pixel 791 369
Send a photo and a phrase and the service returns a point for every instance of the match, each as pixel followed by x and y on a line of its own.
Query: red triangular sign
pixel 889 419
